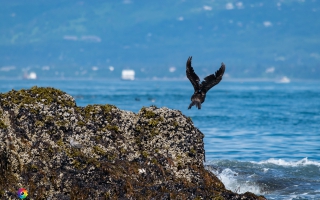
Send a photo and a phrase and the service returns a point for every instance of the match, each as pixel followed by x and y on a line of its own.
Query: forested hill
pixel 82 39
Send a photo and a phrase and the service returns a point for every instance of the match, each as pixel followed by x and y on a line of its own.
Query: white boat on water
pixel 284 79
pixel 31 75
pixel 128 74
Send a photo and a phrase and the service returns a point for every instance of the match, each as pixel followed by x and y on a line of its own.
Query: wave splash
pixel 232 182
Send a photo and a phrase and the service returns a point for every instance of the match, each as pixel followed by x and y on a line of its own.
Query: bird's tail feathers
pixel 198 104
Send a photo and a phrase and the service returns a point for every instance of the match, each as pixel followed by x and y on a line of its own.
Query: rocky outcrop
pixel 57 150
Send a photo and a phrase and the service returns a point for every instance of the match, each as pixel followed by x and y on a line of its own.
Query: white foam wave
pixel 281 162
pixel 230 179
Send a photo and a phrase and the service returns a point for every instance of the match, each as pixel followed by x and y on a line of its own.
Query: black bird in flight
pixel 200 90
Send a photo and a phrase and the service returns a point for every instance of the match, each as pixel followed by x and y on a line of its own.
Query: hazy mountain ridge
pixel 250 37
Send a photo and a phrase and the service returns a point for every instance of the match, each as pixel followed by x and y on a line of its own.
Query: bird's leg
pixel 191 104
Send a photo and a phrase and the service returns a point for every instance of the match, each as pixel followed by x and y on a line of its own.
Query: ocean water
pixel 261 137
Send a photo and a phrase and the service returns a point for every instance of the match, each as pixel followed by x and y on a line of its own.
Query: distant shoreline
pixel 155 79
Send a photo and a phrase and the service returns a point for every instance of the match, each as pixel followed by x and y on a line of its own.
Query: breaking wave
pixel 273 178
pixel 281 162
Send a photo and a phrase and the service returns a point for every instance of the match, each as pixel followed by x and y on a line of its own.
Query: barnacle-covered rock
pixel 57 150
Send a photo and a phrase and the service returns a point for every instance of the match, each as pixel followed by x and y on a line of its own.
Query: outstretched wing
pixel 192 76
pixel 212 79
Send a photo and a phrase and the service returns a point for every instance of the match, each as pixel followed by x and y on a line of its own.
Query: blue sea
pixel 262 137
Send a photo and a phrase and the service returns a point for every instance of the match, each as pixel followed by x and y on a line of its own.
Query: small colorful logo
pixel 22 193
